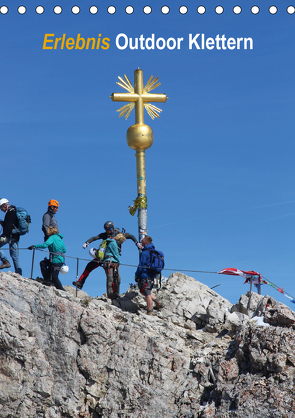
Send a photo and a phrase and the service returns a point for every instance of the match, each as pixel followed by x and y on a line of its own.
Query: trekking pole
pixel 33 257
pixel 77 276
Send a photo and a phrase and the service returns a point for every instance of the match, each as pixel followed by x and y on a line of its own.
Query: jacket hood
pixel 149 247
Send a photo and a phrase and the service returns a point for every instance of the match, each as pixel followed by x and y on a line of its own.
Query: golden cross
pixel 139 97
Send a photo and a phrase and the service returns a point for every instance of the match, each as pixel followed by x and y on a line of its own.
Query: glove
pixel 2 239
pixel 139 245
pixel 30 247
pixel 85 245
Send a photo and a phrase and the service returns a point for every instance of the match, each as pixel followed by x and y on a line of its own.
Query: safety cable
pixel 166 269
pixel 121 264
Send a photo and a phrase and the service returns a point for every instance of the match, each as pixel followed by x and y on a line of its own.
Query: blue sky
pixel 220 173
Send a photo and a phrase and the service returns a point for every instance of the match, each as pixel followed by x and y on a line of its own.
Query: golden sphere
pixel 140 136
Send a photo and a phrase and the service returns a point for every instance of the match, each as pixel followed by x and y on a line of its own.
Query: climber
pixel 9 236
pixel 111 265
pixel 49 217
pixel 144 276
pixel 110 232
pixel 48 220
pixel 110 261
pixel 57 249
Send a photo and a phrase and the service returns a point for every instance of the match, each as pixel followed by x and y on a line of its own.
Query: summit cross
pixel 140 135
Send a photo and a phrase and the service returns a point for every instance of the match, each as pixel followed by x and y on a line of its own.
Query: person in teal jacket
pixel 57 249
pixel 111 265
pixel 112 250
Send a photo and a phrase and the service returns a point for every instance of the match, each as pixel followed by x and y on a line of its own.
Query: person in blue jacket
pixel 57 249
pixel 145 277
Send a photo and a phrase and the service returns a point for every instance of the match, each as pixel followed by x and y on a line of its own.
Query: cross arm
pixel 148 97
pixel 124 97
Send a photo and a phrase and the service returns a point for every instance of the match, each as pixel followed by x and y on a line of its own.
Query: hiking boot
pixel 47 283
pixel 78 284
pixel 5 264
pixel 159 305
pixel 149 313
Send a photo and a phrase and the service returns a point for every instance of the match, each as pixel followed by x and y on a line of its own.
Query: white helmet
pixel 92 252
pixel 64 269
pixel 3 200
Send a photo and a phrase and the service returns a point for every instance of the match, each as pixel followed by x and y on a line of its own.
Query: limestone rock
pixel 276 313
pixel 242 305
pixel 63 356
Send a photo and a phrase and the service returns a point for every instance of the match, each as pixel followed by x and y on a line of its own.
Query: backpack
pixel 23 219
pixel 117 231
pixel 100 253
pixel 156 260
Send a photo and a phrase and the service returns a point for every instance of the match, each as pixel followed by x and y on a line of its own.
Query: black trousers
pixel 50 272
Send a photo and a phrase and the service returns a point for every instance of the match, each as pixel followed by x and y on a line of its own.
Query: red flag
pixel 256 277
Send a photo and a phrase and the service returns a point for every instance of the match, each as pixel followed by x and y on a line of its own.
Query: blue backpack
pixel 23 219
pixel 156 260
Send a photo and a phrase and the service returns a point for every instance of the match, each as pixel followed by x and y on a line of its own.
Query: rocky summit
pixel 199 356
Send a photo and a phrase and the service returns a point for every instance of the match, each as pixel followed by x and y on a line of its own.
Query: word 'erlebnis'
pixel 53 42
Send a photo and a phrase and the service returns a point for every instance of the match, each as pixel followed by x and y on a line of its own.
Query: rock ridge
pixel 200 356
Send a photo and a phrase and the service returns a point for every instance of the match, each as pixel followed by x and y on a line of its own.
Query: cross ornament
pixel 139 97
